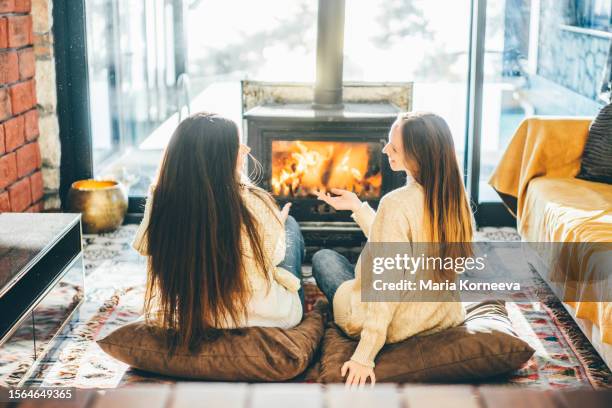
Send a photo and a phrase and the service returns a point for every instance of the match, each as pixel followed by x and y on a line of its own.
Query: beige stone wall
pixel 46 95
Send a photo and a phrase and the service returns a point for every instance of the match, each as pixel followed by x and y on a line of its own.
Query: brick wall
pixel 21 182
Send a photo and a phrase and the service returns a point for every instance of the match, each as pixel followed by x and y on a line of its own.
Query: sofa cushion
pixel 249 354
pixel 596 164
pixel 483 346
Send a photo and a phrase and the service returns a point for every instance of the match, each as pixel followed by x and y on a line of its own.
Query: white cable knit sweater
pixel 272 303
pixel 399 219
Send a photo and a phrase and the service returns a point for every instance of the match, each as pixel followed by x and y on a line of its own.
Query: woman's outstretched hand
pixel 357 374
pixel 344 200
pixel 284 213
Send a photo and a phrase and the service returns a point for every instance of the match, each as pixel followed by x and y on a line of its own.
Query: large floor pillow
pixel 250 354
pixel 483 346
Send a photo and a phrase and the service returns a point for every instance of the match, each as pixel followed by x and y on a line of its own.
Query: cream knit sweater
pixel 399 219
pixel 273 302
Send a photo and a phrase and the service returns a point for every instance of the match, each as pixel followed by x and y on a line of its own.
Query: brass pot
pixel 102 203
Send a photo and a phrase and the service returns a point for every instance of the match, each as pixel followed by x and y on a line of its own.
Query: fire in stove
pixel 299 168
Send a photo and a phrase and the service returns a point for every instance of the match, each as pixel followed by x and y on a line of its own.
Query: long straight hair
pixel 196 280
pixel 428 144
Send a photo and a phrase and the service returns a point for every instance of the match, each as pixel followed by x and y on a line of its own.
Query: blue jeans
pixel 294 252
pixel 330 269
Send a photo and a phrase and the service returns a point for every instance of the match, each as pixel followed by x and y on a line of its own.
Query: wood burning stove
pixel 330 136
pixel 302 149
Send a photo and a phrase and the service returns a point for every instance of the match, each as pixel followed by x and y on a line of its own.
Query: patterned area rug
pixel 115 277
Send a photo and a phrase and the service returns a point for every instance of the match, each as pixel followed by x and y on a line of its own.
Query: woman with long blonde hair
pixel 431 208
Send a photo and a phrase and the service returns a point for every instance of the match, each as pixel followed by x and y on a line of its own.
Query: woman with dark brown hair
pixel 431 208
pixel 220 253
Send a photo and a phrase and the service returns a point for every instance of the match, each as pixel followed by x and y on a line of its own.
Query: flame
pixel 300 168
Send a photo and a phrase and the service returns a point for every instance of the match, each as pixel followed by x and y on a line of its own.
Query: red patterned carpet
pixel 114 293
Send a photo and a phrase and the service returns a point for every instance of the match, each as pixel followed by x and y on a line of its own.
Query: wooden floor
pixel 212 395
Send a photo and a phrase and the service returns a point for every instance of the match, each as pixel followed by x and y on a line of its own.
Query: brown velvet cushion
pixel 483 346
pixel 250 354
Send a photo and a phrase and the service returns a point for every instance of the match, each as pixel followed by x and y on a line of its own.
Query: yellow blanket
pixel 558 207
pixel 540 147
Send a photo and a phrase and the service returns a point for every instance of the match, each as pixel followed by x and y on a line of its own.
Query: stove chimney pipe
pixel 330 50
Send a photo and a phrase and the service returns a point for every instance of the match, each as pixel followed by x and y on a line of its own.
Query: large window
pixel 592 14
pixel 138 93
pixel 151 62
pixel 527 72
pixel 132 60
pixel 414 41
